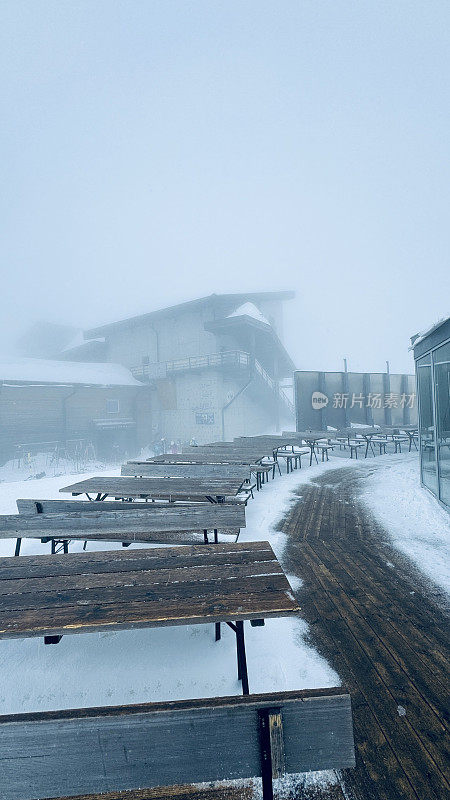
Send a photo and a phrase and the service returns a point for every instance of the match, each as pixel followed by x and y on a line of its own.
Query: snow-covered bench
pixel 293 457
pixel 96 752
pixel 354 447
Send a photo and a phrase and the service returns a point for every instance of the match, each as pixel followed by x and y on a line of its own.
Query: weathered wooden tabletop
pixel 86 592
pixel 206 457
pixel 183 488
pixel 254 454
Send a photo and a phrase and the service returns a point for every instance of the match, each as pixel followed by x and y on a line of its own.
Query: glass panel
pixel 426 425
pixel 441 358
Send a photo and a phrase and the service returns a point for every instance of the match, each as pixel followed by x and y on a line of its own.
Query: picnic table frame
pixel 198 584
pixel 209 489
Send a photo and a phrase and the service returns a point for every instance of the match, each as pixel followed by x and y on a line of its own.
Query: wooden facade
pixel 41 416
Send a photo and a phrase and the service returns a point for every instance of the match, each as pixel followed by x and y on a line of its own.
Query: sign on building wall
pixel 341 398
pixel 204 417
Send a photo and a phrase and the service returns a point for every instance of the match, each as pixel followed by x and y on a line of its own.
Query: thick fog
pixel 155 152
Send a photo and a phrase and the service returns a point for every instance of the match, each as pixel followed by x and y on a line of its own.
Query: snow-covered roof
pixel 38 370
pixel 249 310
pixel 423 334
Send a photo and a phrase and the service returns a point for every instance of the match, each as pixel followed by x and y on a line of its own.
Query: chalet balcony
pixel 235 359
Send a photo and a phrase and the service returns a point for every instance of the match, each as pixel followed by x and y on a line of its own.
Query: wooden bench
pixel 398 441
pixel 162 524
pixel 293 458
pixel 98 752
pixel 323 448
pixel 381 444
pixel 354 447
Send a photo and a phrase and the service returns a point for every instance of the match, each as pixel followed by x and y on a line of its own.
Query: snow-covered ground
pixel 417 524
pixel 186 662
pixel 156 664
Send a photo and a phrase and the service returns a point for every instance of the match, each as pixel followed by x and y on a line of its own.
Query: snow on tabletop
pixel 37 370
pixel 249 310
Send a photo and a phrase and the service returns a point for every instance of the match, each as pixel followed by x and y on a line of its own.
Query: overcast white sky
pixel 155 151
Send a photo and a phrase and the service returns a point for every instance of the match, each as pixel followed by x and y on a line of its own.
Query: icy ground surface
pixel 417 524
pixel 156 664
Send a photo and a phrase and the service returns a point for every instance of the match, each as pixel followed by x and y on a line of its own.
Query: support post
pixel 241 657
pixel 271 748
pixel 17 549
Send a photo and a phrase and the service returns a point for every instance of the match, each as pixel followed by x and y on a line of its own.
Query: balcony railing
pixel 227 358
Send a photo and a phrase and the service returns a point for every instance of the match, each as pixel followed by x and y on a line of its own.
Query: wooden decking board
pixel 389 630
pixel 388 645
pixel 402 690
pixel 357 663
pixel 380 672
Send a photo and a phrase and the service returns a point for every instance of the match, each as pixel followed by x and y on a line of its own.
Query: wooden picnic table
pixel 311 438
pixel 169 470
pixel 240 453
pixel 411 431
pixel 55 595
pixel 367 434
pixel 211 489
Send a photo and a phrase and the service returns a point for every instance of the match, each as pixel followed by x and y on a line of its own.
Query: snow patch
pixel 39 370
pixel 419 527
pixel 249 310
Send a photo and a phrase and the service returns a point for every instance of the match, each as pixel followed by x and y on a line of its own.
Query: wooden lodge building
pixel 208 369
pixel 46 403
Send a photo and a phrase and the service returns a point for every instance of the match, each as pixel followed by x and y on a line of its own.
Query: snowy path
pixel 378 620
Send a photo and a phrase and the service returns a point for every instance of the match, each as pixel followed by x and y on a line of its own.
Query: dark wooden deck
pixel 384 631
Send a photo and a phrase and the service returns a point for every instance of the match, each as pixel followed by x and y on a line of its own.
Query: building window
pixel 112 406
pixel 204 418
pixel 441 361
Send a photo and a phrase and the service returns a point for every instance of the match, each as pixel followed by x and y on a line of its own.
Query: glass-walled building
pixel 432 357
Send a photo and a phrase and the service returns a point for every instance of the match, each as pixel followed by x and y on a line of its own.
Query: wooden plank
pixel 164 590
pixel 200 572
pixel 219 792
pixel 43 506
pixel 141 590
pixel 156 487
pixel 121 561
pixel 92 618
pixel 129 747
pixel 207 457
pixel 168 518
pixel 144 468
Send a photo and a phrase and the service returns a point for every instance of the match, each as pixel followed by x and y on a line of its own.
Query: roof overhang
pixel 243 324
pixel 433 337
pixel 180 307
